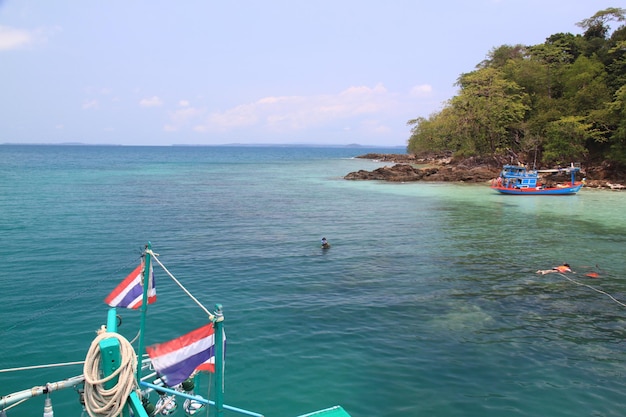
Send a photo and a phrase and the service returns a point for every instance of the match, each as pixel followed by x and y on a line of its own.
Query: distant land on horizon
pixel 304 145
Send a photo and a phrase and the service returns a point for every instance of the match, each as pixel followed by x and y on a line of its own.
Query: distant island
pixel 292 145
pixel 59 144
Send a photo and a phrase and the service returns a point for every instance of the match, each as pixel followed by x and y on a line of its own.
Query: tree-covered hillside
pixel 553 103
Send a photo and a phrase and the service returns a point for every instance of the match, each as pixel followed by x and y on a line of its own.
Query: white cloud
pixel 287 113
pixel 182 117
pixel 90 104
pixel 11 38
pixel 240 116
pixel 153 101
pixel 375 126
pixel 357 110
pixel 97 91
pixel 423 90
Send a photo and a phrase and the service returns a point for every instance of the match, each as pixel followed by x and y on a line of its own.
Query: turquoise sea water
pixel 427 304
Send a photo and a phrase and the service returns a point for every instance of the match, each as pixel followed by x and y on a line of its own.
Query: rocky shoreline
pixel 442 168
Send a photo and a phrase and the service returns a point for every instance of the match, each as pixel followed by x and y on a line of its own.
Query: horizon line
pixel 234 144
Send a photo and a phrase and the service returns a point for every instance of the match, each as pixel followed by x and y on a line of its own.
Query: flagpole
pixel 144 306
pixel 219 360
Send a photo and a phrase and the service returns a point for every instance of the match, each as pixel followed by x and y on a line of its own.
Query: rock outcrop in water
pixel 427 168
pixel 406 173
pixel 408 168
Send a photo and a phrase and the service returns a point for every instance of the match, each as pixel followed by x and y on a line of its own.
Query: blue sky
pixel 277 71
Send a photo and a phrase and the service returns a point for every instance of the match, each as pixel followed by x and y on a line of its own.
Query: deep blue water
pixel 427 304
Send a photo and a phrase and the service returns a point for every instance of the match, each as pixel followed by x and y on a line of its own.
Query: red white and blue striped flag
pixel 177 359
pixel 129 294
pixel 209 365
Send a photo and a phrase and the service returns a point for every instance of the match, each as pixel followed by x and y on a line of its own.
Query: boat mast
pixel 144 304
pixel 219 360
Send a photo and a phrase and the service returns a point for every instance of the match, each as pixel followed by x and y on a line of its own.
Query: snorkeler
pixel 563 268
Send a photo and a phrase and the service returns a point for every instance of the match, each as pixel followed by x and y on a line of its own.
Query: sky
pixel 205 72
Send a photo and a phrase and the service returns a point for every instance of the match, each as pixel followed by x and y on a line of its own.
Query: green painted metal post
pixel 219 360
pixel 134 402
pixel 112 320
pixel 111 359
pixel 144 307
pixel 110 355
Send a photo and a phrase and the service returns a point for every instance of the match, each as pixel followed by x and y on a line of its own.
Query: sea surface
pixel 427 304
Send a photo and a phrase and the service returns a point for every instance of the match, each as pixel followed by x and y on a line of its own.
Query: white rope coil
pixel 101 402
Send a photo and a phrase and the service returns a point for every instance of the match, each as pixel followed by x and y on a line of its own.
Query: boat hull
pixel 563 190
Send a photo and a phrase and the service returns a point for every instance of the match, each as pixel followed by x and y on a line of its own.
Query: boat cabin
pixel 517 176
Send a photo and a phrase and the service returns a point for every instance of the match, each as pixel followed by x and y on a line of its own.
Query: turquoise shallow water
pixel 426 304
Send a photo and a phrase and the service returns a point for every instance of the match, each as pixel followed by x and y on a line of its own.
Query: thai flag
pixel 177 359
pixel 209 366
pixel 129 294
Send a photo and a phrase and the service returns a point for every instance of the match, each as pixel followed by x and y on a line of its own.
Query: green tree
pixel 570 45
pixel 585 86
pixel 561 101
pixel 616 116
pixel 566 140
pixel 553 59
pixel 437 133
pixel 597 29
pixel 616 65
pixel 489 109
pixel 500 56
pixel 597 24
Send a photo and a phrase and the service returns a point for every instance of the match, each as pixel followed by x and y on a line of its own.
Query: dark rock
pixel 395 173
pixel 390 157
pixel 407 173
pixel 442 167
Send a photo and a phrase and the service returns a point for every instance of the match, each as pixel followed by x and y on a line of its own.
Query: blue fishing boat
pixel 118 381
pixel 518 180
